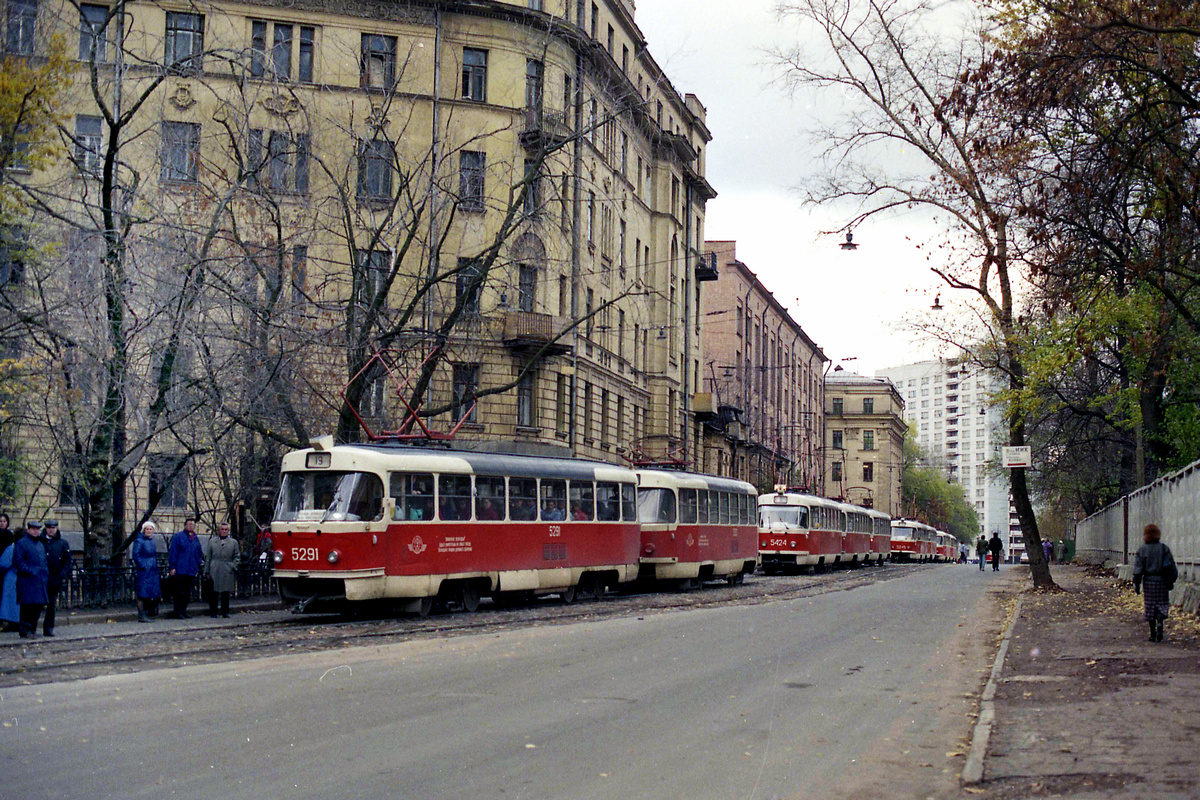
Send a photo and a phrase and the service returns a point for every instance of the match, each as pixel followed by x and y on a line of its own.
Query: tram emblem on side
pixel 417 545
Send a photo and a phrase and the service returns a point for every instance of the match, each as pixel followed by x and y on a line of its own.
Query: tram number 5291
pixel 304 554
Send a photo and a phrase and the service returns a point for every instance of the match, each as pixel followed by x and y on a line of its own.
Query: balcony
pixel 542 129
pixel 702 406
pixel 706 267
pixel 531 332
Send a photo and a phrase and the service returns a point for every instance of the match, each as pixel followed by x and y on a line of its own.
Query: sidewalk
pixel 1086 707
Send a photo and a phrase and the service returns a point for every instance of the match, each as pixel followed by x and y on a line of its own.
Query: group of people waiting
pixel 188 559
pixel 35 566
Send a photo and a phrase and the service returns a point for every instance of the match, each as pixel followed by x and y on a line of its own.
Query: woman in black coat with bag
pixel 1154 574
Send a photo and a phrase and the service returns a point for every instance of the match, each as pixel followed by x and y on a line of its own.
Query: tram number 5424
pixel 304 554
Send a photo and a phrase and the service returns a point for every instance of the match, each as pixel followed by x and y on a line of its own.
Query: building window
pixel 184 47
pixel 526 287
pixel 22 25
pixel 837 405
pixel 611 41
pixel 868 472
pixel 561 403
pixel 868 405
pixel 837 440
pixel 299 275
pixel 533 187
pixel 168 481
pixel 534 78
pixel 88 141
pixel 471 166
pixel 14 243
pixel 278 60
pixel 467 284
pixel 595 19
pixel 72 491
pixel 474 74
pixel 375 164
pixel 283 166
pixel 374 268
pixel 536 5
pixel 378 61
pixel 868 439
pixel 181 152
pixel 93 33
pixel 526 401
pixel 466 383
pixel 835 473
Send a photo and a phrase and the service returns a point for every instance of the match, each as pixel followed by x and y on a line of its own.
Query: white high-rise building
pixel 948 408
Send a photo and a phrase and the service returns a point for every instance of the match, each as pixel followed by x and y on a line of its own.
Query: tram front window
pixel 330 496
pixel 656 506
pixel 791 516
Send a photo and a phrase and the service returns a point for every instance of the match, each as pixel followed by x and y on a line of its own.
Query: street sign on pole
pixel 1017 457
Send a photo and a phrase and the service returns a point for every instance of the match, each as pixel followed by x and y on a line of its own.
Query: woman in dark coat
pixel 1154 571
pixel 33 577
pixel 144 553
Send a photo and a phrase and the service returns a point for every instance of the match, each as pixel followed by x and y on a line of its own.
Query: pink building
pixel 762 395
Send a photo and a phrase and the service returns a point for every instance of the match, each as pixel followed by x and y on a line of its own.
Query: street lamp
pixel 849 243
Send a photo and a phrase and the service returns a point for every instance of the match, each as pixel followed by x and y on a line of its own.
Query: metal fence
pixel 101 587
pixel 1114 534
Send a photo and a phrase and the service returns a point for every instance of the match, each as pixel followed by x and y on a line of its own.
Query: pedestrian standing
pixel 1155 572
pixel 962 552
pixel 58 562
pixel 1048 551
pixel 981 549
pixel 7 535
pixel 10 611
pixel 223 556
pixel 29 562
pixel 995 547
pixel 184 559
pixel 146 585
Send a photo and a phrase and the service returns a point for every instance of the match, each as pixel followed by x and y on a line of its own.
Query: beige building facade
pixel 762 387
pixel 512 189
pixel 864 441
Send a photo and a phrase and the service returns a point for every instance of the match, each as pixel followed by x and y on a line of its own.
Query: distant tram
pixel 913 541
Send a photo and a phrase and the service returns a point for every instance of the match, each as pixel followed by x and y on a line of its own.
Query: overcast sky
pixel 854 305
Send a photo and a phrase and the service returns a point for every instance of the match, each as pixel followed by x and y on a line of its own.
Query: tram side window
pixel 702 507
pixel 608 502
pixel 522 499
pixel 454 497
pixel 629 502
pixel 723 499
pixel 687 506
pixel 582 501
pixel 739 509
pixel 656 506
pixel 749 503
pixel 413 493
pixel 554 500
pixel 489 498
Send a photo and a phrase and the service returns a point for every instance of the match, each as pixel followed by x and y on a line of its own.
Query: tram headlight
pixel 277 556
pixel 333 557
pixel 649 548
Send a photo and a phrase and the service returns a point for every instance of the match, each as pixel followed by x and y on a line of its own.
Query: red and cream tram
pixel 803 530
pixel 947 547
pixel 913 541
pixel 389 522
pixel 696 527
pixel 881 536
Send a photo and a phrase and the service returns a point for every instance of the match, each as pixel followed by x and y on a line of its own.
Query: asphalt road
pixel 860 693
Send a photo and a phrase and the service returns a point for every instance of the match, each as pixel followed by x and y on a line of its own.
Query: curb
pixel 972 772
pixel 129 614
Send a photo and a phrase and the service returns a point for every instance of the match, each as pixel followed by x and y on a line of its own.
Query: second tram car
pixel 803 530
pixel 696 527
pixel 389 522
pixel 913 541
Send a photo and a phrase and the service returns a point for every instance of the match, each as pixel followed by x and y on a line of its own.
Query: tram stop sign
pixel 1015 457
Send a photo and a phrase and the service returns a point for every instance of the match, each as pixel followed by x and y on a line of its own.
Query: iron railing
pixel 101 587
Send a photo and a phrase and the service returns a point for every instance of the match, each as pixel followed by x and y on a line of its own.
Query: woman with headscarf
pixel 144 554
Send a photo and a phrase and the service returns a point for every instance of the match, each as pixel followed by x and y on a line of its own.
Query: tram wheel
pixel 568 595
pixel 424 606
pixel 595 589
pixel 470 597
pixel 736 579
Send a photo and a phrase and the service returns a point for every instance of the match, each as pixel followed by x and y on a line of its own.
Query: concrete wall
pixel 1114 534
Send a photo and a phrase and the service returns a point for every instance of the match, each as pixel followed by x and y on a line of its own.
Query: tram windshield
pixel 792 516
pixel 656 506
pixel 325 496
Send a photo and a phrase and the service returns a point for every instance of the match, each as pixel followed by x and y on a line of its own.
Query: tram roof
pixel 662 478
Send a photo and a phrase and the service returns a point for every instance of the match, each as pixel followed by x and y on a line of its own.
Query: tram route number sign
pixel 1015 457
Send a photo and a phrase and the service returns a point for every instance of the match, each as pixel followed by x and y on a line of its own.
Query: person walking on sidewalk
pixel 995 547
pixel 1154 571
pixel 223 556
pixel 184 558
pixel 981 548
pixel 58 561
pixel 29 562
pixel 146 585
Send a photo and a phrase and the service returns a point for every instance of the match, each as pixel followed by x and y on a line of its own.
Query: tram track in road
pixel 75 659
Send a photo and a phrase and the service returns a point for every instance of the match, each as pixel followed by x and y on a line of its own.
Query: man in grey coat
pixel 223 556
